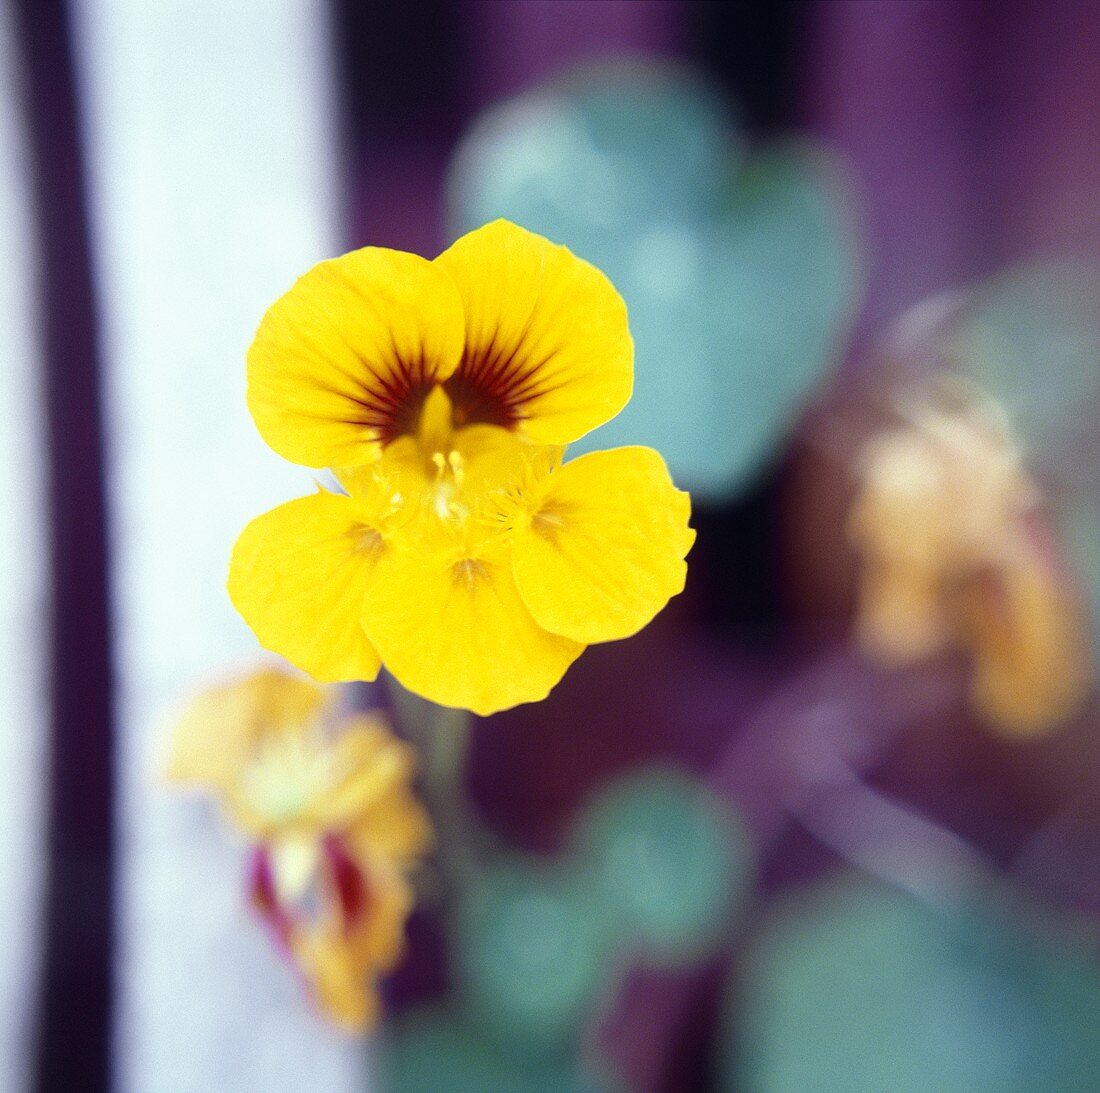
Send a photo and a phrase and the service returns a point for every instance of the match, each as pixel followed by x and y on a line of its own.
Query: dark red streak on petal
pixel 348 882
pixel 263 898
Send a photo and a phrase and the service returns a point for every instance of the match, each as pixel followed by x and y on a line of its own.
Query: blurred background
pixel 830 822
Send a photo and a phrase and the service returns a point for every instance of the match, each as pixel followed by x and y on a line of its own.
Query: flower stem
pixel 442 737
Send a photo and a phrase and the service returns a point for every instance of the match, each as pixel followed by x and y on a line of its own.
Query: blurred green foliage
pixel 654 872
pixel 669 861
pixel 1081 526
pixel 859 987
pixel 1030 338
pixel 532 950
pixel 432 1051
pixel 739 268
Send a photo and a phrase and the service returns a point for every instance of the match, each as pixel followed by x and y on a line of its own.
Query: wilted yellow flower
pixel 336 828
pixel 957 554
pixel 463 553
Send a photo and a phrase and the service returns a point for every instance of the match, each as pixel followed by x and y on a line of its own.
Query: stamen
pixel 458 467
pixel 450 473
pixel 469 571
pixel 368 540
pixel 547 523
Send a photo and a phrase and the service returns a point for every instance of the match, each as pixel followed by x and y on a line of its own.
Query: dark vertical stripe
pixel 75 1002
pixel 755 47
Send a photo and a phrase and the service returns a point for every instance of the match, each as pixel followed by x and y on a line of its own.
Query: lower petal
pixel 457 632
pixel 606 546
pixel 341 984
pixel 297 575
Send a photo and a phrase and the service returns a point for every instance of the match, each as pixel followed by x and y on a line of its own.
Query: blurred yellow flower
pixel 462 552
pixel 336 828
pixel 957 553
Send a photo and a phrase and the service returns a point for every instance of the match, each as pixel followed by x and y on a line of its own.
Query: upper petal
pixel 902 615
pixel 217 732
pixel 604 550
pixel 373 768
pixel 548 349
pixel 343 361
pixel 298 574
pixel 455 631
pixel 396 826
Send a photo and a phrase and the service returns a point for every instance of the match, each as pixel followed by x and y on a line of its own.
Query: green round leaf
pixel 609 146
pixel 532 954
pixel 862 988
pixel 433 1051
pixel 1031 339
pixel 669 859
pixel 739 273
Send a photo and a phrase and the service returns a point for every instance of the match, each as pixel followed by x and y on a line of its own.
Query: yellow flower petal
pixel 298 574
pixel 1030 647
pixel 339 981
pixel 370 765
pixel 396 826
pixel 343 961
pixel 906 513
pixel 215 737
pixel 605 547
pixel 455 631
pixel 378 938
pixel 548 349
pixel 342 362
pixel 901 617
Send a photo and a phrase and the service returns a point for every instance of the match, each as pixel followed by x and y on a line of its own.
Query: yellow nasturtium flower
pixel 461 551
pixel 957 554
pixel 335 827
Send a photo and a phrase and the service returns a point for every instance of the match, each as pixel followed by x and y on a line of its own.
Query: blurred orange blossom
pixel 336 829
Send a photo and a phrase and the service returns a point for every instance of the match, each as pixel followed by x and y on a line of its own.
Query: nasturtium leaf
pixel 860 988
pixel 1080 526
pixel 669 859
pixel 431 1050
pixel 532 952
pixel 1030 338
pixel 739 270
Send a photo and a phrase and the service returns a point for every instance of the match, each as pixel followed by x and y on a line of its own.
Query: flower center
pixel 288 772
pixel 484 393
pixel 450 473
pixel 440 458
pixel 488 389
pixel 548 523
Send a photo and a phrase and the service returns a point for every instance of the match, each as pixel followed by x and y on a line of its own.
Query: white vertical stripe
pixel 209 133
pixel 23 587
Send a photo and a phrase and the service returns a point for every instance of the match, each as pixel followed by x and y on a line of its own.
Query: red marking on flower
pixel 263 897
pixel 392 403
pixel 350 885
pixel 493 385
